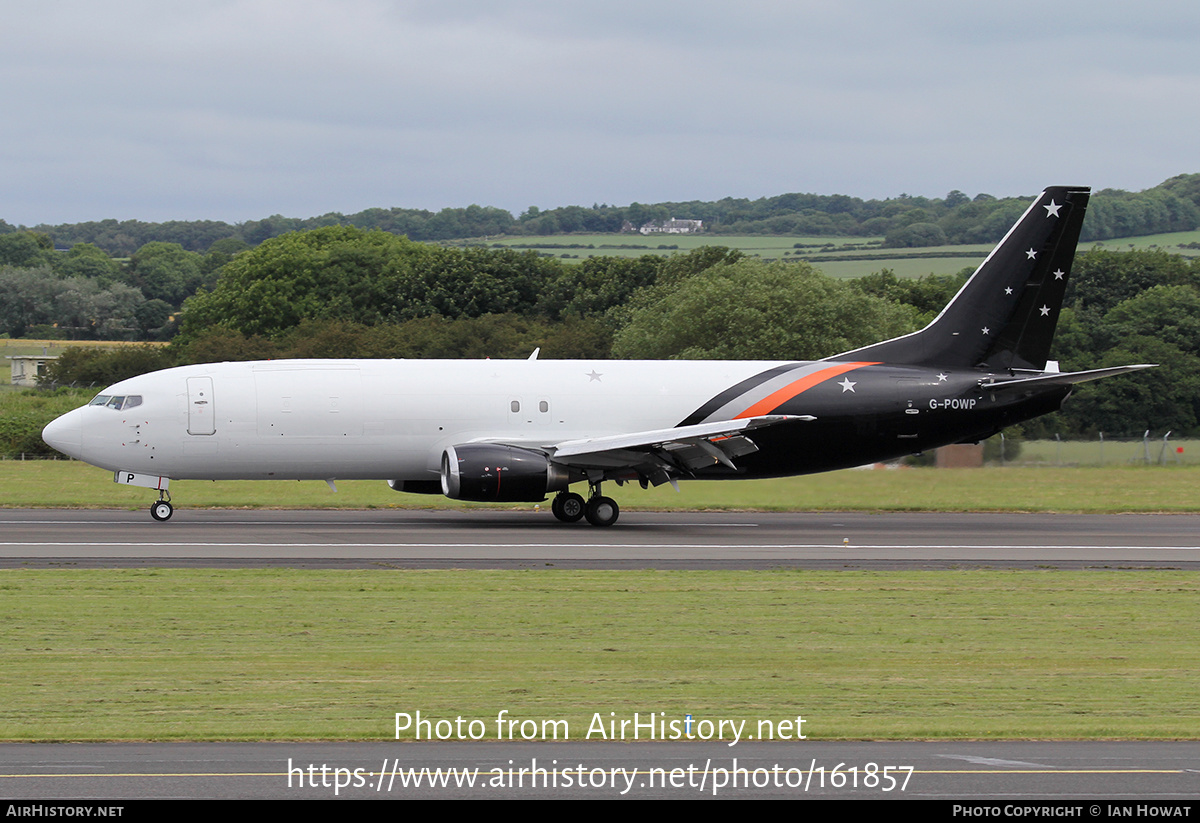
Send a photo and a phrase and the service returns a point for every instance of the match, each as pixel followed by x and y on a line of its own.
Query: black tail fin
pixel 1004 317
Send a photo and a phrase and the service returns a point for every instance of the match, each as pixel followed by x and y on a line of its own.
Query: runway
pixel 534 539
pixel 1094 774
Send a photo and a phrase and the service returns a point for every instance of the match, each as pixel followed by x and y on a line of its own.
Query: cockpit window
pixel 118 402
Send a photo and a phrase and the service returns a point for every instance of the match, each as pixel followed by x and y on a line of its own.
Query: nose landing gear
pixel 162 508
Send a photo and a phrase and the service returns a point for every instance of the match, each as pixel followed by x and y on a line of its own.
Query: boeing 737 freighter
pixel 520 430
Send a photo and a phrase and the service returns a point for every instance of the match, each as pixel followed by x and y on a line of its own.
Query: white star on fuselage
pixel 1031 254
pixel 594 375
pixel 986 330
pixel 1045 310
pixel 847 385
pixel 942 378
pixel 1052 209
pixel 1008 290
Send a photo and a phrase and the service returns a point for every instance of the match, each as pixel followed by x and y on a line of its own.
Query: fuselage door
pixel 201 417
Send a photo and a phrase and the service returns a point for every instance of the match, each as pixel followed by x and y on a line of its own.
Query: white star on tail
pixel 942 378
pixel 986 330
pixel 1058 275
pixel 1031 254
pixel 1052 209
pixel 847 385
pixel 1045 310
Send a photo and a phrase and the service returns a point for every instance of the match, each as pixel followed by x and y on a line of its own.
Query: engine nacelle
pixel 416 486
pixel 489 472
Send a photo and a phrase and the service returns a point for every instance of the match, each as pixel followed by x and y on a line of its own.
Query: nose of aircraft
pixel 66 433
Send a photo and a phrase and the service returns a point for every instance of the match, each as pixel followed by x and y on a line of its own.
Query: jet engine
pixel 491 472
pixel 416 486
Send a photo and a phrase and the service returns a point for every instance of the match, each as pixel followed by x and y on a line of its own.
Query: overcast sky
pixel 238 109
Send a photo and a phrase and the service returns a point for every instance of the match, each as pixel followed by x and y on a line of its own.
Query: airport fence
pixel 1151 449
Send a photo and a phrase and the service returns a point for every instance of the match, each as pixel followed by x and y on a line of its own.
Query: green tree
pixel 755 310
pixel 915 235
pixel 26 298
pixel 1159 399
pixel 89 310
pixel 88 260
pixel 598 284
pixel 102 367
pixel 1168 313
pixel 338 272
pixel 152 316
pixel 1101 279
pixel 366 277
pixel 218 344
pixel 26 249
pixel 928 295
pixel 166 271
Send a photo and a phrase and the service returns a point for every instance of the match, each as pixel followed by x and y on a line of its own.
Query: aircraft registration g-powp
pixel 519 430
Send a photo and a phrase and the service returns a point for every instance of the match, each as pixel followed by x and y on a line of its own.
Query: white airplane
pixel 519 430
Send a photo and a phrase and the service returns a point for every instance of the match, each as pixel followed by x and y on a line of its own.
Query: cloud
pixel 239 109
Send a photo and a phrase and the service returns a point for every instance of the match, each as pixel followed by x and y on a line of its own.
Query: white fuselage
pixel 375 419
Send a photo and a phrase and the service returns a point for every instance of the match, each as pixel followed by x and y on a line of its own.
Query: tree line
pixel 84 294
pixel 905 221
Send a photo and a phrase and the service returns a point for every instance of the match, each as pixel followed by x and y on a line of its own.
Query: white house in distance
pixel 672 226
pixel 26 368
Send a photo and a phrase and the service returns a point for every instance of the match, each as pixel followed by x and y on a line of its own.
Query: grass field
pixel 1171 243
pixel 1171 488
pixel 9 346
pixel 772 246
pixel 290 654
pixel 842 257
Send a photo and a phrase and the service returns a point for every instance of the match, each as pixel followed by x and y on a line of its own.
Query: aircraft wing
pixel 1059 378
pixel 659 454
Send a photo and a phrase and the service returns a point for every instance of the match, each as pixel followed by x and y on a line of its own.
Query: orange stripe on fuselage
pixel 777 399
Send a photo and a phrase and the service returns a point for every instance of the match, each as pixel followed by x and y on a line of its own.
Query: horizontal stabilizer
pixel 1060 378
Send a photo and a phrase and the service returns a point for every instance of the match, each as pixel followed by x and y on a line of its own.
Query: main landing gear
pixel 567 507
pixel 162 508
pixel 599 510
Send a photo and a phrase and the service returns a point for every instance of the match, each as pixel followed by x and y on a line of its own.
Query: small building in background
pixel 27 368
pixel 960 456
pixel 672 226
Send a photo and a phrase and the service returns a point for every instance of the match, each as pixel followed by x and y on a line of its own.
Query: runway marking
pixel 994 761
